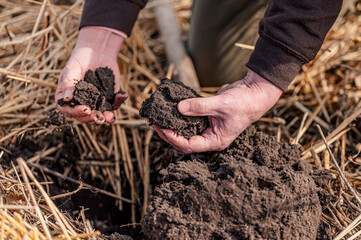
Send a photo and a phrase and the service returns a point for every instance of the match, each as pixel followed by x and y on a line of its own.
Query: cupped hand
pixel 230 112
pixel 95 48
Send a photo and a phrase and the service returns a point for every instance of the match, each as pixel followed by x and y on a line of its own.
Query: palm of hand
pixel 82 59
pixel 230 112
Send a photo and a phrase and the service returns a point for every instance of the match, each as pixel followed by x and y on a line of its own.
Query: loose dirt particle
pixel 55 118
pixel 161 109
pixel 117 236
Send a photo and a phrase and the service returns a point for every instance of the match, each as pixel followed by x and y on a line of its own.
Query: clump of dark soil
pixel 55 118
pixel 258 188
pixel 161 109
pixel 96 90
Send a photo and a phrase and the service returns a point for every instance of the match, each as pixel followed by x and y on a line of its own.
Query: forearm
pixel 100 40
pixel 116 14
pixel 291 34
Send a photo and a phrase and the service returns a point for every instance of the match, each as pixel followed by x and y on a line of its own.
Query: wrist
pixel 259 84
pixel 262 94
pixel 99 39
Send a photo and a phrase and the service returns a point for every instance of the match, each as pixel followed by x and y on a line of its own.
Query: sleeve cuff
pixel 115 14
pixel 274 63
pixel 117 32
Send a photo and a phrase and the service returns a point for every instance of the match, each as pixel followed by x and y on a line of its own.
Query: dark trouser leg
pixel 216 25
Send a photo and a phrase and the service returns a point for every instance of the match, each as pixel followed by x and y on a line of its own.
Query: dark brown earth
pixel 96 90
pixel 161 109
pixel 117 236
pixel 256 189
pixel 55 118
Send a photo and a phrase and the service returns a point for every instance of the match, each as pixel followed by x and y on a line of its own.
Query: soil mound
pixel 96 90
pixel 256 189
pixel 161 109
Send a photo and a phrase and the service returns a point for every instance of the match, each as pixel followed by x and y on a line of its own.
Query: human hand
pixel 95 47
pixel 230 112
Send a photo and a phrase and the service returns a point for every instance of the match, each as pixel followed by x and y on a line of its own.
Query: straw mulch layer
pixel 118 164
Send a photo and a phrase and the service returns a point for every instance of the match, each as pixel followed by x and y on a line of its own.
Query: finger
pixel 162 136
pixel 119 99
pixel 179 142
pixel 71 73
pixel 195 144
pixel 98 117
pixel 205 143
pixel 160 132
pixel 64 93
pixel 109 117
pixel 95 116
pixel 85 119
pixel 200 106
pixel 77 111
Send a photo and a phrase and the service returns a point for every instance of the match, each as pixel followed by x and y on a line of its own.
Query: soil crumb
pixel 257 188
pixel 161 109
pixel 117 236
pixel 96 90
pixel 55 118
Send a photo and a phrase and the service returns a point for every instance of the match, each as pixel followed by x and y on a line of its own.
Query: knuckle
pixel 227 101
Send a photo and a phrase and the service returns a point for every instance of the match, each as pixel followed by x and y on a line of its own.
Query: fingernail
pixel 184 107
pixel 68 93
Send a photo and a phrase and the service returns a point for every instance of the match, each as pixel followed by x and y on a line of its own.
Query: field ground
pixel 119 164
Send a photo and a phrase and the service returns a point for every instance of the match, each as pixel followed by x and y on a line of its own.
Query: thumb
pixel 199 106
pixel 68 78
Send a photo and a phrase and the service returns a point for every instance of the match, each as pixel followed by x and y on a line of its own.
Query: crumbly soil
pixel 161 109
pixel 96 90
pixel 258 188
pixel 55 118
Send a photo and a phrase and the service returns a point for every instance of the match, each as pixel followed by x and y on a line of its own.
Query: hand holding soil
pixel 161 109
pixel 230 112
pixel 95 48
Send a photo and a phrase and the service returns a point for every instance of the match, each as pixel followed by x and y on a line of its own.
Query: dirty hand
pixel 230 112
pixel 95 47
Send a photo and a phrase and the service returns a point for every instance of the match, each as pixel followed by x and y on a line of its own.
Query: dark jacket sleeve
pixel 291 34
pixel 116 14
